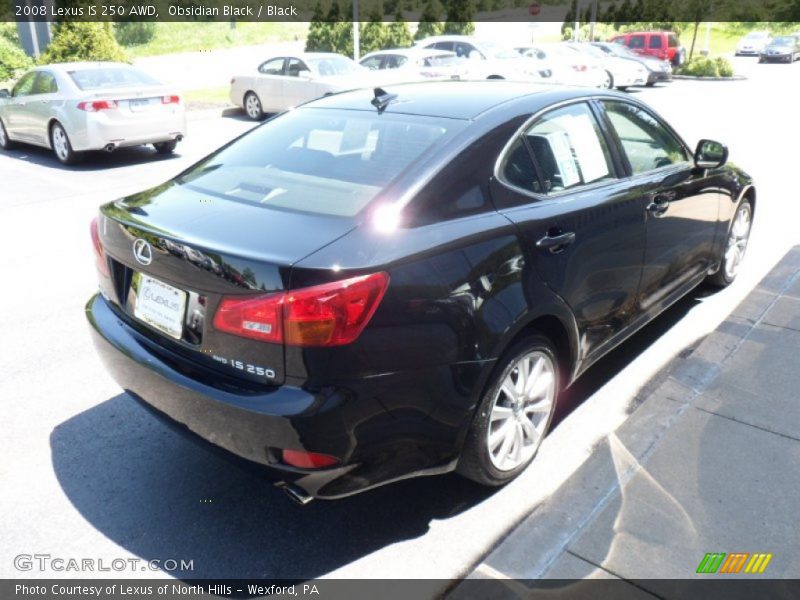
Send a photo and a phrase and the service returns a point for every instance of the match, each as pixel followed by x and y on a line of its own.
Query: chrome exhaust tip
pixel 110 148
pixel 297 494
pixel 179 138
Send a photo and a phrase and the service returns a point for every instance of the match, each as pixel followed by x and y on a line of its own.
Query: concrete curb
pixel 696 78
pixel 538 541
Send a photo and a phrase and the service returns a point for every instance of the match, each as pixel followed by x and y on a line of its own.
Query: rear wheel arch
pixel 555 330
pixel 50 124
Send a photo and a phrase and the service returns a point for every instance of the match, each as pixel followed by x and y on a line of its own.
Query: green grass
pixel 209 97
pixel 193 37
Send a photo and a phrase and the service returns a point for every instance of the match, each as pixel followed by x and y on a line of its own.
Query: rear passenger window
pixel 648 144
pixel 637 41
pixel 272 67
pixel 567 148
pixel 673 41
pixel 655 41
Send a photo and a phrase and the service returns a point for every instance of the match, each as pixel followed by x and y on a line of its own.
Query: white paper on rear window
pixel 586 145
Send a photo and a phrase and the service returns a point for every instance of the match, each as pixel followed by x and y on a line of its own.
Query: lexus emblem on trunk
pixel 142 251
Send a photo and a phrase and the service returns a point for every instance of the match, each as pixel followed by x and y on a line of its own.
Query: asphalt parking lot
pixel 89 474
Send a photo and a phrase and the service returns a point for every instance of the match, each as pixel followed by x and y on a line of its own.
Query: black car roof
pixel 455 99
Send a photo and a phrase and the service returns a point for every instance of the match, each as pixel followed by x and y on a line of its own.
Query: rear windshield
pixel 328 162
pixel 110 77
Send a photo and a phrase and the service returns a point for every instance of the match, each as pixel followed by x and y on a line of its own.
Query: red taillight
pixel 331 314
pixel 100 254
pixel 307 460
pixel 97 105
pixel 334 313
pixel 170 99
pixel 258 318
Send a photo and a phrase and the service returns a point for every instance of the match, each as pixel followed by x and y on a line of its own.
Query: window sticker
pixel 588 150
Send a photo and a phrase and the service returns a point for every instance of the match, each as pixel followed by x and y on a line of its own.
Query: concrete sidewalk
pixel 710 462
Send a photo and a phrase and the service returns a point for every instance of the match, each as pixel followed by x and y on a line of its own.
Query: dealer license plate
pixel 160 305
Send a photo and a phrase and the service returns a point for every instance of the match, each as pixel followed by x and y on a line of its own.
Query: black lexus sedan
pixel 388 283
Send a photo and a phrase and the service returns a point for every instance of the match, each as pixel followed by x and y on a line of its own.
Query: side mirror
pixel 475 55
pixel 5 94
pixel 305 74
pixel 710 154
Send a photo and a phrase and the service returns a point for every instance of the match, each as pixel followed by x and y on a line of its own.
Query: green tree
pixel 569 19
pixel 430 20
pixel 373 32
pixel 78 40
pixel 131 33
pixel 458 19
pixel 320 32
pixel 398 35
pixel 12 59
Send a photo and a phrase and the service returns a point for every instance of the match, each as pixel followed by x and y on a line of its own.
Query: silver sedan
pixel 74 107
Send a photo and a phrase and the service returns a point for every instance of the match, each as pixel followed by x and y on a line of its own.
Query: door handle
pixel 556 243
pixel 660 203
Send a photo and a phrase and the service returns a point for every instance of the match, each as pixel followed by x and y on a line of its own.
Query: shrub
pixel 131 33
pixel 76 41
pixel 724 67
pixel 701 66
pixel 12 58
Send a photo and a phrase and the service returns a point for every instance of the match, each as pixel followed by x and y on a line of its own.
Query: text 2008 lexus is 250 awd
pixel 382 284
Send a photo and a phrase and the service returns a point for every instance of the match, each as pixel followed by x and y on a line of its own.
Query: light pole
pixel 356 33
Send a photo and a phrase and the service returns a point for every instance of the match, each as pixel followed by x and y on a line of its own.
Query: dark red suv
pixel 661 44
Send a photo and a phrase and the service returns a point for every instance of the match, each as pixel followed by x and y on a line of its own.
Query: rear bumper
pixel 375 445
pixel 656 76
pixel 100 131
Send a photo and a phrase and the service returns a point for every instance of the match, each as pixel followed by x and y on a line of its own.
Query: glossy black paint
pixel 467 279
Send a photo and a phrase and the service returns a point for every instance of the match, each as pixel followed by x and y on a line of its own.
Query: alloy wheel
pixel 60 143
pixel 737 241
pixel 253 106
pixel 521 411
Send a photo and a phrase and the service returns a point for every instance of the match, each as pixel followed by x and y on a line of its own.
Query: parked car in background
pixel 422 273
pixel 284 81
pixel 621 73
pixel 71 108
pixel 487 59
pixel 657 69
pixel 416 64
pixel 567 66
pixel 784 48
pixel 661 44
pixel 753 43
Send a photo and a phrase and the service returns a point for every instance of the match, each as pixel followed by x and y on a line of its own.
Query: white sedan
pixel 620 73
pixel 74 107
pixel 285 81
pixel 416 64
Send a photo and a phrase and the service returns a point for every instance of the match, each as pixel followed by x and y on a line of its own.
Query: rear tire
pixel 252 106
pixel 5 141
pixel 166 147
pixel 62 148
pixel 735 247
pixel 514 413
